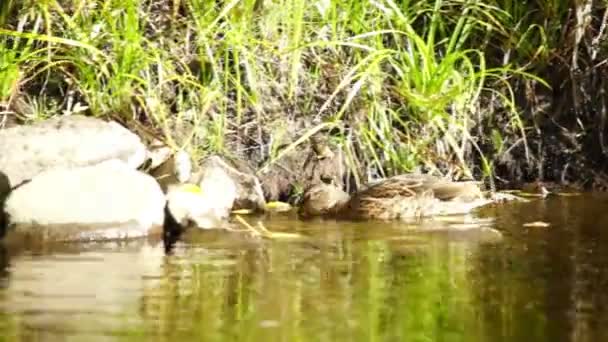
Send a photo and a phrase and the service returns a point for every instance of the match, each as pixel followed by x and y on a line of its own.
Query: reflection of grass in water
pixel 417 297
pixel 291 292
pixel 347 288
pixel 9 327
pixel 512 293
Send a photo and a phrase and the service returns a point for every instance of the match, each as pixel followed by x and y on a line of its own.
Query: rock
pixel 215 171
pixel 106 201
pixel 176 169
pixel 207 202
pixel 188 204
pixel 303 167
pixel 157 154
pixel 66 141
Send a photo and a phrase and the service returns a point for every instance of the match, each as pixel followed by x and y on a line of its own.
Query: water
pixel 346 281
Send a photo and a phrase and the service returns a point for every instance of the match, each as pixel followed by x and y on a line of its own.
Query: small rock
pixel 176 169
pixel 208 199
pixel 157 154
pixel 106 201
pixel 249 194
pixel 188 204
pixel 65 141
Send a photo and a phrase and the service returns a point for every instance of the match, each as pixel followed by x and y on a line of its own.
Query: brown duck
pixel 400 197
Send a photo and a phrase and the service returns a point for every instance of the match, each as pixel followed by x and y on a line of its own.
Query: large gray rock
pixel 67 141
pixel 106 201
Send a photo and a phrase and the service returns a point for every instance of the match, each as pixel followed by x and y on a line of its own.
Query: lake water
pixel 484 278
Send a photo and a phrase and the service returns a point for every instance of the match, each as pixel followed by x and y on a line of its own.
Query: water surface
pixel 493 280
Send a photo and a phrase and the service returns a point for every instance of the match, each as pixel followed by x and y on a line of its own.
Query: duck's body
pixel 399 197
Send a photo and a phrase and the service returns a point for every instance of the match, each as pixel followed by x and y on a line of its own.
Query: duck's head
pixel 323 199
pixel 320 146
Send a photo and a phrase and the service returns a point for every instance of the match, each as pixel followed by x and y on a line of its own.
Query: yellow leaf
pixel 278 206
pixel 192 188
pixel 242 211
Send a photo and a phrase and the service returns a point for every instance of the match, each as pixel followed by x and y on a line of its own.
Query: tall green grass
pixel 399 84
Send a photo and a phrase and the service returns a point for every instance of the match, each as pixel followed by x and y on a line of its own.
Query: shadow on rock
pixel 5 189
pixel 4 263
pixel 172 231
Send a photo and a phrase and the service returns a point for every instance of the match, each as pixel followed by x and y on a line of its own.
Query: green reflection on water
pixel 359 282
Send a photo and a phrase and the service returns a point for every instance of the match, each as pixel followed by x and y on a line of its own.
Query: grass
pixel 399 84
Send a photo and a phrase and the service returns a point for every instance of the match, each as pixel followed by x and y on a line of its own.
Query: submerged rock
pixel 106 201
pixel 65 141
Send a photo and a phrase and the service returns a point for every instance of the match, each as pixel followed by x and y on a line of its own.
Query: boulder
pixel 106 201
pixel 215 171
pixel 65 141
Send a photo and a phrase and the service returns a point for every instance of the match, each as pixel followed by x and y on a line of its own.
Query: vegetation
pixel 455 87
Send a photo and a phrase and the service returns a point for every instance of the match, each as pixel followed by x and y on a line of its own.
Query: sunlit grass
pixel 400 85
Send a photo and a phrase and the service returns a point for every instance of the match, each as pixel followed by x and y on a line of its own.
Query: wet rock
pixel 107 201
pixel 215 170
pixel 67 141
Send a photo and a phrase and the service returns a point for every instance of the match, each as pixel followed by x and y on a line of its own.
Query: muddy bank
pixel 565 142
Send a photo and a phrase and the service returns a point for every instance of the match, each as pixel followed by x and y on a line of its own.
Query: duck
pixel 404 196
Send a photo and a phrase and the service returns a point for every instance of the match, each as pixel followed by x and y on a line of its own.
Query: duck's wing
pixel 466 191
pixel 405 185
